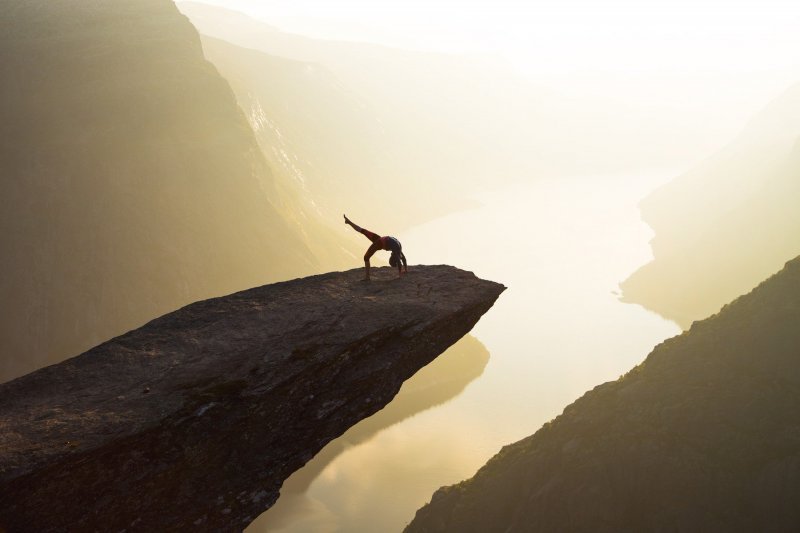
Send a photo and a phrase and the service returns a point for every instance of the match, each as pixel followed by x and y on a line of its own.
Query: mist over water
pixel 561 246
pixel 153 160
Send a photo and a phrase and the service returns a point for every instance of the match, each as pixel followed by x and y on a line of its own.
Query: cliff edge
pixel 194 420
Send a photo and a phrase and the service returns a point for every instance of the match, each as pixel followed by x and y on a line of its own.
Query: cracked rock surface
pixel 194 420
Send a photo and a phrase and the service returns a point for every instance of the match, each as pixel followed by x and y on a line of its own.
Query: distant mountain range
pixel 405 136
pixel 727 223
pixel 399 136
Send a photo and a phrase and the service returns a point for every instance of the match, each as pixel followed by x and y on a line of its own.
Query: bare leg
pixel 365 232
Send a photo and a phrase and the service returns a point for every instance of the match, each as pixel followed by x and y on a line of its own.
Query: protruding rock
pixel 243 390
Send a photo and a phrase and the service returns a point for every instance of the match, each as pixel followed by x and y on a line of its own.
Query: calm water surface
pixel 561 247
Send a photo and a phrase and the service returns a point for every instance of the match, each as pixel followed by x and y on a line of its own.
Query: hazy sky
pixel 558 36
pixel 705 65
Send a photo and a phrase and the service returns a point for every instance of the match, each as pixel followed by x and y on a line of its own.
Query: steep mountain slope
pixel 326 137
pixel 193 421
pixel 130 181
pixel 407 135
pixel 727 224
pixel 702 436
pixel 400 151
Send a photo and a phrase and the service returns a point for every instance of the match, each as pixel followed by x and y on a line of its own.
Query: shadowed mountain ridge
pixel 130 181
pixel 704 435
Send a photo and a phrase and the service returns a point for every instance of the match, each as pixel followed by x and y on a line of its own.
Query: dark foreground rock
pixel 702 436
pixel 193 421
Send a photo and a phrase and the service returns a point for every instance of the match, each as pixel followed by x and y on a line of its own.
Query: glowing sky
pixel 559 36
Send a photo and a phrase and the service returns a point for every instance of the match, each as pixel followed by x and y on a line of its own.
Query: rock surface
pixel 702 436
pixel 193 421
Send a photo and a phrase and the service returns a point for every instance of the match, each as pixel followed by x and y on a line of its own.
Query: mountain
pixel 130 181
pixel 194 420
pixel 704 435
pixel 404 136
pixel 400 136
pixel 726 224
pixel 328 138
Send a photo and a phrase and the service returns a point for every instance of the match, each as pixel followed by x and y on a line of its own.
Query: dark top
pixel 391 244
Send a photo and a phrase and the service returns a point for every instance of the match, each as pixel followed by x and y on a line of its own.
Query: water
pixel 561 246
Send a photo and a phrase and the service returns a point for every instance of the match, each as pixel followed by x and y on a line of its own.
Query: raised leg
pixel 374 237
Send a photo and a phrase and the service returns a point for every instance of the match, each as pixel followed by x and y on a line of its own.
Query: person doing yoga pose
pixel 382 243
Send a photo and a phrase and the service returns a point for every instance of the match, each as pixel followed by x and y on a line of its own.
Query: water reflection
pixel 442 380
pixel 561 246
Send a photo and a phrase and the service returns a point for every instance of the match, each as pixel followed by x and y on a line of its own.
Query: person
pixel 382 243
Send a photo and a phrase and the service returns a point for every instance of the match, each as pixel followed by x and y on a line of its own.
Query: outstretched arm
pixel 405 263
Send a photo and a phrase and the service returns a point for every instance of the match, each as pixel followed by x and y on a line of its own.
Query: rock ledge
pixel 194 420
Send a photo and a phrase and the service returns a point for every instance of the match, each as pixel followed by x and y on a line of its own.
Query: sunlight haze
pixel 704 65
pixel 562 36
pixel 320 266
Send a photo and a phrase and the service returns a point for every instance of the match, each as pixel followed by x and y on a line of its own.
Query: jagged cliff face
pixel 328 138
pixel 325 143
pixel 193 421
pixel 397 156
pixel 408 135
pixel 418 133
pixel 727 224
pixel 702 436
pixel 130 181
